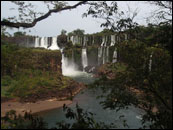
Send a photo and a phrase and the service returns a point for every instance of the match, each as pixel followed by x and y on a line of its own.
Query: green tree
pixel 78 32
pixel 136 84
pixel 63 32
pixel 18 34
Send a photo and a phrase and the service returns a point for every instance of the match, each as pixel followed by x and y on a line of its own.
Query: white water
pixel 42 42
pixel 104 55
pixel 112 40
pixel 114 56
pixel 45 42
pixel 103 41
pixel 85 41
pixel 99 55
pixel 84 58
pixel 69 68
pixel 72 39
pixel 54 45
pixel 36 42
pixel 107 54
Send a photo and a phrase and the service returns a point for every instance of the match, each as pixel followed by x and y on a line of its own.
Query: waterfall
pixel 36 42
pixel 72 40
pixel 81 41
pixel 150 62
pixel 93 41
pixel 85 41
pixel 84 58
pixel 107 54
pixel 42 42
pixel 104 55
pixel 39 41
pixel 112 40
pixel 103 41
pixel 54 45
pixel 69 68
pixel 45 42
pixel 75 40
pixel 114 56
pixel 106 41
pixel 49 42
pixel 99 55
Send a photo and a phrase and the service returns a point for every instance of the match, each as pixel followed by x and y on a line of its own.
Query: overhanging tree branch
pixel 29 25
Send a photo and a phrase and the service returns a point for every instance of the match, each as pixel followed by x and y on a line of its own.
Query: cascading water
pixel 107 54
pixel 104 55
pixel 99 55
pixel 84 58
pixel 114 56
pixel 36 42
pixel 103 41
pixel 69 68
pixel 45 42
pixel 93 41
pixel 42 42
pixel 112 40
pixel 150 62
pixel 85 41
pixel 72 39
pixel 54 45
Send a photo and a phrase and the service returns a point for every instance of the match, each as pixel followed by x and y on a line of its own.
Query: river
pixel 87 100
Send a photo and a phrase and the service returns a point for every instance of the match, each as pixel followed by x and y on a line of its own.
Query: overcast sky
pixel 71 20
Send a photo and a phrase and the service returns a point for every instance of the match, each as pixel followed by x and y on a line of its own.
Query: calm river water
pixel 87 100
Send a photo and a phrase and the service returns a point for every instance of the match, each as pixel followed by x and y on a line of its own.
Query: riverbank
pixel 39 106
pixel 36 107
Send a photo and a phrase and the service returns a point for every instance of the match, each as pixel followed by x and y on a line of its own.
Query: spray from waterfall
pixel 69 68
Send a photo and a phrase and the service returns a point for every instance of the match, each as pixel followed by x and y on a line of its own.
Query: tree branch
pixel 29 25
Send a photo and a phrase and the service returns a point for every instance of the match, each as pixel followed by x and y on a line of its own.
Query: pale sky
pixel 71 20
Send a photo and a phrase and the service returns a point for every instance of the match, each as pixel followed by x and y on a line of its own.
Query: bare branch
pixel 29 25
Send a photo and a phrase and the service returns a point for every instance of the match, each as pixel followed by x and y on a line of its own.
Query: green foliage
pixel 82 120
pixel 78 32
pixel 62 40
pixel 18 34
pixel 28 121
pixel 155 86
pixel 30 72
pixel 157 35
